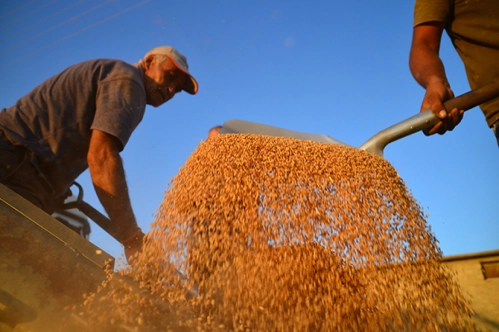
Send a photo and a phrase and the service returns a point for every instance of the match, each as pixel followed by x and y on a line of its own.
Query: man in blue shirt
pixel 82 118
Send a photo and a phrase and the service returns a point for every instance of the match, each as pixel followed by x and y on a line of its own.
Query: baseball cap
pixel 180 61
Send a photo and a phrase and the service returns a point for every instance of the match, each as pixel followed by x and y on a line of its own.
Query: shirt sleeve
pixel 426 11
pixel 120 107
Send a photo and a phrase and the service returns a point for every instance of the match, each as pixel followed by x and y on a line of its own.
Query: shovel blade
pixel 247 127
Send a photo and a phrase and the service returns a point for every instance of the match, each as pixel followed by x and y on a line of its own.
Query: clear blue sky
pixel 328 67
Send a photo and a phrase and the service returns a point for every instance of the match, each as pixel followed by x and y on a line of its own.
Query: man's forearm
pixel 109 180
pixel 424 60
pixel 427 67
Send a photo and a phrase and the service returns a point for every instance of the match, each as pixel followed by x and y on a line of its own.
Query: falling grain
pixel 260 233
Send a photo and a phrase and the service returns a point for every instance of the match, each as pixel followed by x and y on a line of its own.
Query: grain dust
pixel 261 233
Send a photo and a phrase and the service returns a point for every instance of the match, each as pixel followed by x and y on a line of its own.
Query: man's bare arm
pixel 428 70
pixel 425 63
pixel 108 177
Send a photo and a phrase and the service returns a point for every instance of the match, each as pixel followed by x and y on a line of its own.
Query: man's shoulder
pixel 106 67
pixel 426 11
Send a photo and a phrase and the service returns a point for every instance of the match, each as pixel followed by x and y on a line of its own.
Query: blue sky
pixel 327 67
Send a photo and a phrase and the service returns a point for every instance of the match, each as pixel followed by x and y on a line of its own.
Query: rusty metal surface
pixel 44 267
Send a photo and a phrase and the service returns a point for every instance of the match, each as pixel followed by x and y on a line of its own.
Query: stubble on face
pixel 160 85
pixel 156 95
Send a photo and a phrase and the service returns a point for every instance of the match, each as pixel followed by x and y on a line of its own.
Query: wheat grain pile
pixel 278 234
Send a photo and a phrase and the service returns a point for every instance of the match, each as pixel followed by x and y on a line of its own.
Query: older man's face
pixel 162 81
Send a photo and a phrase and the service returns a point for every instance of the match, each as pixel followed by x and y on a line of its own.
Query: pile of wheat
pixel 279 234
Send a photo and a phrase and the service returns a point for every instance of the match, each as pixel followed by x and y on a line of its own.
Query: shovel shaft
pixel 100 219
pixel 428 119
pixel 104 222
pixel 473 98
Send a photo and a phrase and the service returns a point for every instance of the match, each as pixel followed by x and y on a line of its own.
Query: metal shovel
pixel 378 142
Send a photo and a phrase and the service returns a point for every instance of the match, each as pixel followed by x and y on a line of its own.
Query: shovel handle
pixel 473 98
pixel 104 222
pixel 427 119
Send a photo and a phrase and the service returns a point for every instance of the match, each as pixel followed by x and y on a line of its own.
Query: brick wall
pixel 484 293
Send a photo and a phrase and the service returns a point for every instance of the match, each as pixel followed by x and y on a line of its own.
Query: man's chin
pixel 153 104
pixel 156 102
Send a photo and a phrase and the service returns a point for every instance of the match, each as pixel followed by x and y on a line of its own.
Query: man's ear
pixel 149 60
